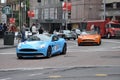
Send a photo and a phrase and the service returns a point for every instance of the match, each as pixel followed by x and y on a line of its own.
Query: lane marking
pixel 6 79
pixel 62 67
pixel 7 53
pixel 37 74
pixel 101 75
pixel 55 76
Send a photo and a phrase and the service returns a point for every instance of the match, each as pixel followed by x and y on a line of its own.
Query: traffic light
pixel 69 14
pixel 38 0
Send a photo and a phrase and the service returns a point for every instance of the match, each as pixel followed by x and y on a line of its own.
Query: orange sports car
pixel 89 37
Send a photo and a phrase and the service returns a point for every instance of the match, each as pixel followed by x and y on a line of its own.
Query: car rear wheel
pixel 74 38
pixel 68 38
pixel 64 49
pixel 49 50
pixel 19 56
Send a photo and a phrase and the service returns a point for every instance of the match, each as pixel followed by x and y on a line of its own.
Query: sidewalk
pixel 2 46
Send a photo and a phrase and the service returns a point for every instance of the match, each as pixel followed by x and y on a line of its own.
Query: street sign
pixel 12 20
pixel 3 18
pixel 6 10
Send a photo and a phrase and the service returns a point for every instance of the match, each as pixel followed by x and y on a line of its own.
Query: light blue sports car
pixel 41 44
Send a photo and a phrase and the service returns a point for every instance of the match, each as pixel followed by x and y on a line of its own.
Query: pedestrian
pixel 33 29
pixel 12 28
pixel 23 29
pixel 5 27
pixel 19 35
pixel 40 30
pixel 1 30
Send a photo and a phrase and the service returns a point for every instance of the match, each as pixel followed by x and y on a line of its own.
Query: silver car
pixel 69 34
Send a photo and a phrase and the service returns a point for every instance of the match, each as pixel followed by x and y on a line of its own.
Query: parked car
pixel 60 34
pixel 41 44
pixel 69 34
pixel 77 31
pixel 89 37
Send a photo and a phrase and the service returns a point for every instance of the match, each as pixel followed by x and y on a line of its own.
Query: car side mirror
pixel 55 39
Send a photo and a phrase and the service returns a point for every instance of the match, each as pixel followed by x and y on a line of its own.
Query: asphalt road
pixel 107 54
pixel 73 73
pixel 80 63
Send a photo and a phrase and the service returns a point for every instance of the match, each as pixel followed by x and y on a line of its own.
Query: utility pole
pixel 20 14
pixel 104 6
pixel 66 14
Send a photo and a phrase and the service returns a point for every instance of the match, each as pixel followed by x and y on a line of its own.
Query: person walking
pixel 34 29
pixel 23 32
pixel 40 30
pixel 1 30
pixel 5 27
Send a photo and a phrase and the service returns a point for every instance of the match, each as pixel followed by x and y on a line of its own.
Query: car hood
pixel 32 44
pixel 89 36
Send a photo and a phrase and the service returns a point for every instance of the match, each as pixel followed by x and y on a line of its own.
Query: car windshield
pixel 66 31
pixel 40 37
pixel 88 32
pixel 115 25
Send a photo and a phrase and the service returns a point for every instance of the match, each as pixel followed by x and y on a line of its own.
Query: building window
pixel 118 5
pixel 109 6
pixel 46 13
pixel 49 13
pixel 52 13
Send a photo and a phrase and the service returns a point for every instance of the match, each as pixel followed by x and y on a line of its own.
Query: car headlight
pixel 42 46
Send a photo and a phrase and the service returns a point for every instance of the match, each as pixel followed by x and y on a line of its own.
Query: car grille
pixel 28 50
pixel 88 40
pixel 117 33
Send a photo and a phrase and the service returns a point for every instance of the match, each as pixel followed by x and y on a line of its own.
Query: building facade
pixel 84 10
pixel 112 9
pixel 52 17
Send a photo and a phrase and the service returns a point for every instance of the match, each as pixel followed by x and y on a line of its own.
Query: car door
pixel 55 44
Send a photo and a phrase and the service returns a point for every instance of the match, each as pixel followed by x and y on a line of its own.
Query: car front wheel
pixel 19 56
pixel 49 50
pixel 64 49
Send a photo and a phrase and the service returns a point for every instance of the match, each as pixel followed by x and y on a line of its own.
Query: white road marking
pixel 6 79
pixel 37 74
pixel 7 53
pixel 23 69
